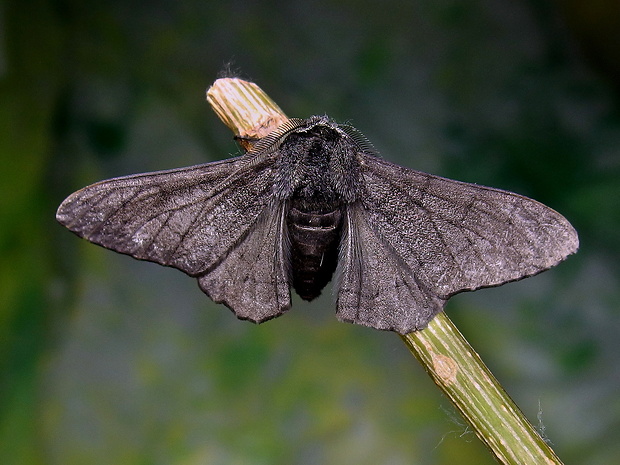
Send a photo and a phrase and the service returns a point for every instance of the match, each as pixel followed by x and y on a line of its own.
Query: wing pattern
pixel 203 220
pixel 438 237
pixel 253 279
pixel 376 287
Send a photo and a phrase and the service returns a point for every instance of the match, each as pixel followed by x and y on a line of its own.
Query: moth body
pixel 314 238
pixel 317 166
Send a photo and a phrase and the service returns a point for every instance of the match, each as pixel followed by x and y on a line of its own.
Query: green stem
pixel 462 376
pixel 447 357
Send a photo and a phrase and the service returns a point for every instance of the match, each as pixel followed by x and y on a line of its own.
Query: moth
pixel 312 200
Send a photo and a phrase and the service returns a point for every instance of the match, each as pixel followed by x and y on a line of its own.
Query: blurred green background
pixel 104 359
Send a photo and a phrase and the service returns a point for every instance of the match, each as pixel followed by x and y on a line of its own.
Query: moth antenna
pixel 360 140
pixel 273 140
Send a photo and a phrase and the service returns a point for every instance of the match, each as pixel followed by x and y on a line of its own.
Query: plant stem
pixel 445 354
pixel 462 376
pixel 247 111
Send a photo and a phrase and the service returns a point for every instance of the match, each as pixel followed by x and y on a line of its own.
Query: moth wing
pixel 189 218
pixel 252 279
pixel 442 237
pixel 376 288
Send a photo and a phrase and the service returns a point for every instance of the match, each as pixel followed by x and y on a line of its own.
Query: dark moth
pixel 311 199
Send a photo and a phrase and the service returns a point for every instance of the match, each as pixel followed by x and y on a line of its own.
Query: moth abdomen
pixel 314 239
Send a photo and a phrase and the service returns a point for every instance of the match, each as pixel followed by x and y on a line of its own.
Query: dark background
pixel 104 359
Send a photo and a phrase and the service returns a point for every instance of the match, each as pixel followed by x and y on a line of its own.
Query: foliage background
pixel 104 359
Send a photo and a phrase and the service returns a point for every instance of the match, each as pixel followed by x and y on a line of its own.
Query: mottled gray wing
pixel 376 287
pixel 193 219
pixel 253 277
pixel 414 239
